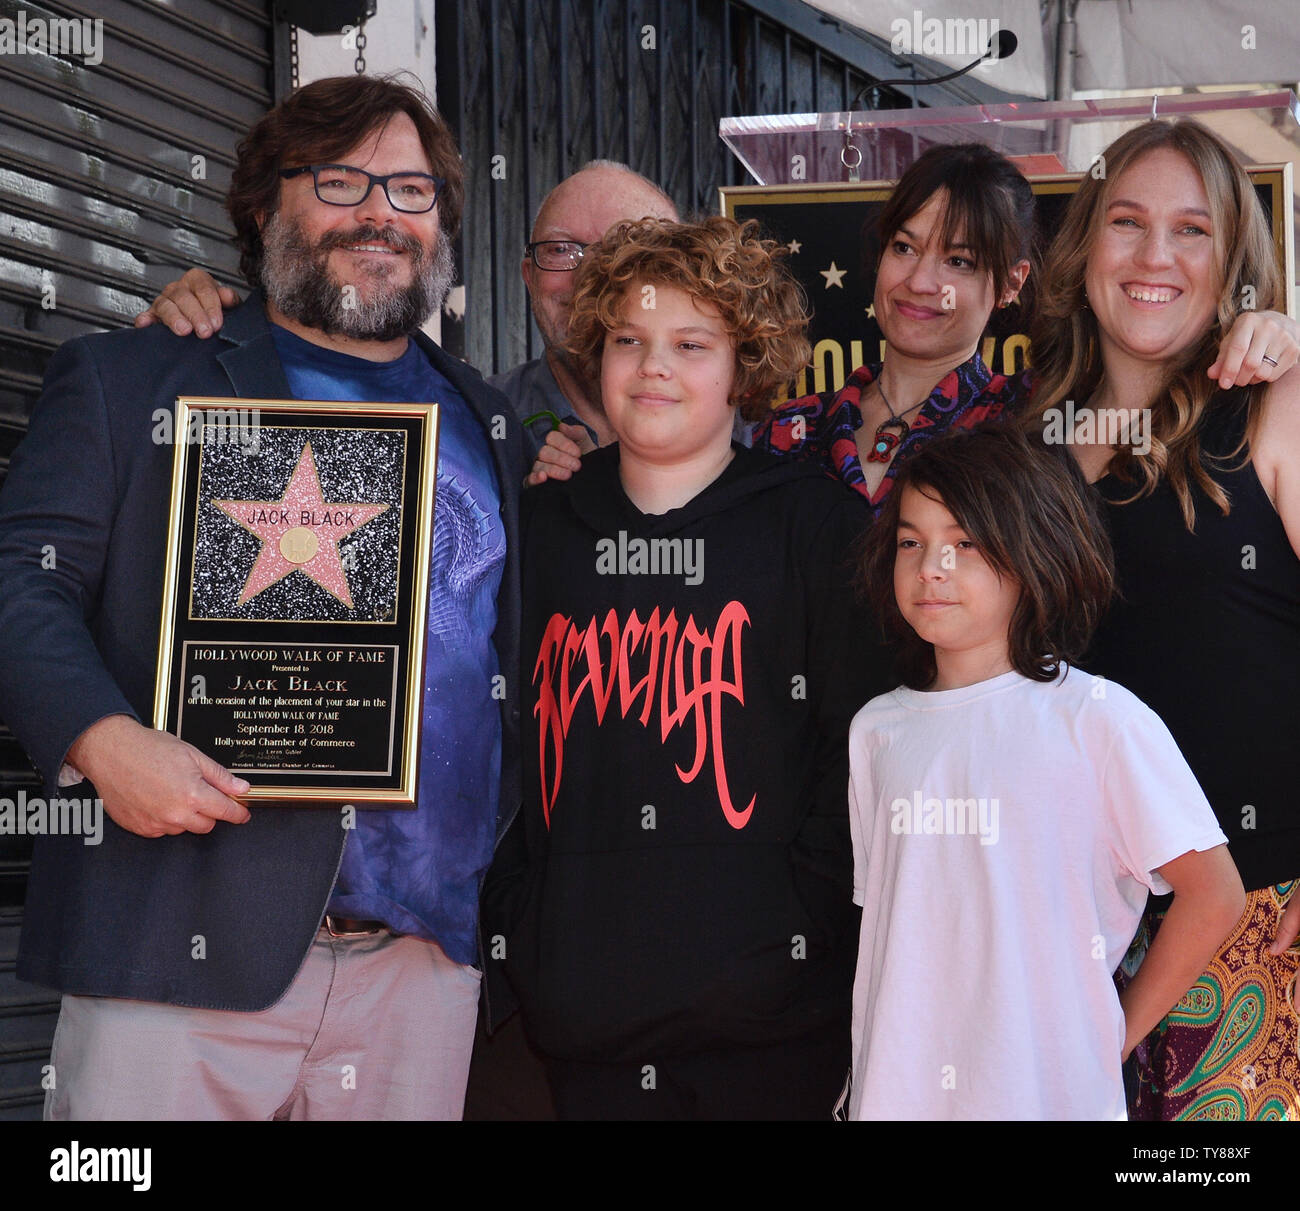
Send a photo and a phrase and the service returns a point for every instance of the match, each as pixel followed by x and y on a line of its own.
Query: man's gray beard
pixel 297 281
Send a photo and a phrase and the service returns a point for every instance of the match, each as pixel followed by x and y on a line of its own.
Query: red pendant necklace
pixel 882 446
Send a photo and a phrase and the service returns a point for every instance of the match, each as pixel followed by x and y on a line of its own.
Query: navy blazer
pixel 223 920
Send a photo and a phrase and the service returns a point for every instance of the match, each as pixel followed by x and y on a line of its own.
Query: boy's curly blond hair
pixel 718 261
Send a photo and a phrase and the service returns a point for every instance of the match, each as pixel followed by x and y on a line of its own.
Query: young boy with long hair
pixel 1011 812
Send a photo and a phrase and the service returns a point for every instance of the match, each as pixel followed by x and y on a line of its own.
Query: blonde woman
pixel 1201 487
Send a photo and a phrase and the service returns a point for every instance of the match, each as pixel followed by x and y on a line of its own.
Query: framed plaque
pixel 295 594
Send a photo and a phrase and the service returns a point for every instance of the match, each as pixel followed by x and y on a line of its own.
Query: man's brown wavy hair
pixel 316 125
pixel 1033 519
pixel 1064 346
pixel 718 261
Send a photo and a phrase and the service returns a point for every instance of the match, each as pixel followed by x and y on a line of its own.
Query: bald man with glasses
pixel 574 215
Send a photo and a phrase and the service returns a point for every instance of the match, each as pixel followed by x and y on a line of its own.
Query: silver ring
pixel 1270 360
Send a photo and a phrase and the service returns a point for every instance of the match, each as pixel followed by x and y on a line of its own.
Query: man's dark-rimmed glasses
pixel 343 185
pixel 556 256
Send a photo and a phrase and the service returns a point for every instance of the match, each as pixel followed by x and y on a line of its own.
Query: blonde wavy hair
pixel 717 261
pixel 1065 349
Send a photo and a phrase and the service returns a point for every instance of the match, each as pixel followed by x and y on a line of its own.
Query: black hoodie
pixel 680 877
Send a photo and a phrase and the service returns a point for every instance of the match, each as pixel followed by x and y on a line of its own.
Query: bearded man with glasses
pixel 282 962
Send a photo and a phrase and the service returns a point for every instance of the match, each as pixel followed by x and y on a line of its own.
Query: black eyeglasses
pixel 342 185
pixel 556 256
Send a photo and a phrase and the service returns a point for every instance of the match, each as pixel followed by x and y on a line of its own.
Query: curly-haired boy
pixel 674 901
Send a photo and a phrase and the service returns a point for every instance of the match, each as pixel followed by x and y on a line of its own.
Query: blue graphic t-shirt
pixel 419 871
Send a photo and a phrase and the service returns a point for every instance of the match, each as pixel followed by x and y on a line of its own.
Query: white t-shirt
pixel 1005 835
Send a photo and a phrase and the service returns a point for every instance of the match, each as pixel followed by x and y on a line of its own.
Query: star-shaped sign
pixel 794 246
pixel 833 276
pixel 299 532
pixel 871 311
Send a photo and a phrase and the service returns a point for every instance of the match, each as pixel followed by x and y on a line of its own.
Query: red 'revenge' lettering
pixel 685 665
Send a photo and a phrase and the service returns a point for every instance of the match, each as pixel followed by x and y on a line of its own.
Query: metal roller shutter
pixel 102 198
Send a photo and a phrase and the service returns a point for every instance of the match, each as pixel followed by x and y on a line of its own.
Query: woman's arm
pixel 1208 902
pixel 1275 451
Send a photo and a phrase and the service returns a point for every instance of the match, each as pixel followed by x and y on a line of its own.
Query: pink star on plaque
pixel 299 532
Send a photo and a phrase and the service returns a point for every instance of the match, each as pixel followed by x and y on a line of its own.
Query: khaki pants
pixel 372 1027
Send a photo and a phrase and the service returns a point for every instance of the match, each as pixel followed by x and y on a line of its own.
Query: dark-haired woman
pixel 956 239
pixel 1202 492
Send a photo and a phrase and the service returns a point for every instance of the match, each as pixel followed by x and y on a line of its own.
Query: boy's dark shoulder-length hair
pixel 1033 518
pixel 316 125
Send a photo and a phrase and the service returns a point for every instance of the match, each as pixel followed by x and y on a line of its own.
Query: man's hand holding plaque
pixel 154 785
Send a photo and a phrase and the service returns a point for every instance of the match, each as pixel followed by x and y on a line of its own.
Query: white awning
pixel 1119 44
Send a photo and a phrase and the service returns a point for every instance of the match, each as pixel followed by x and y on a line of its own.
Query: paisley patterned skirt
pixel 1229 1049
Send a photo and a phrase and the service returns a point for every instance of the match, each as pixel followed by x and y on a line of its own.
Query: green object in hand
pixel 530 421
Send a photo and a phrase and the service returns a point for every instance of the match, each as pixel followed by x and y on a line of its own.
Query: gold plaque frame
pixel 391 786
